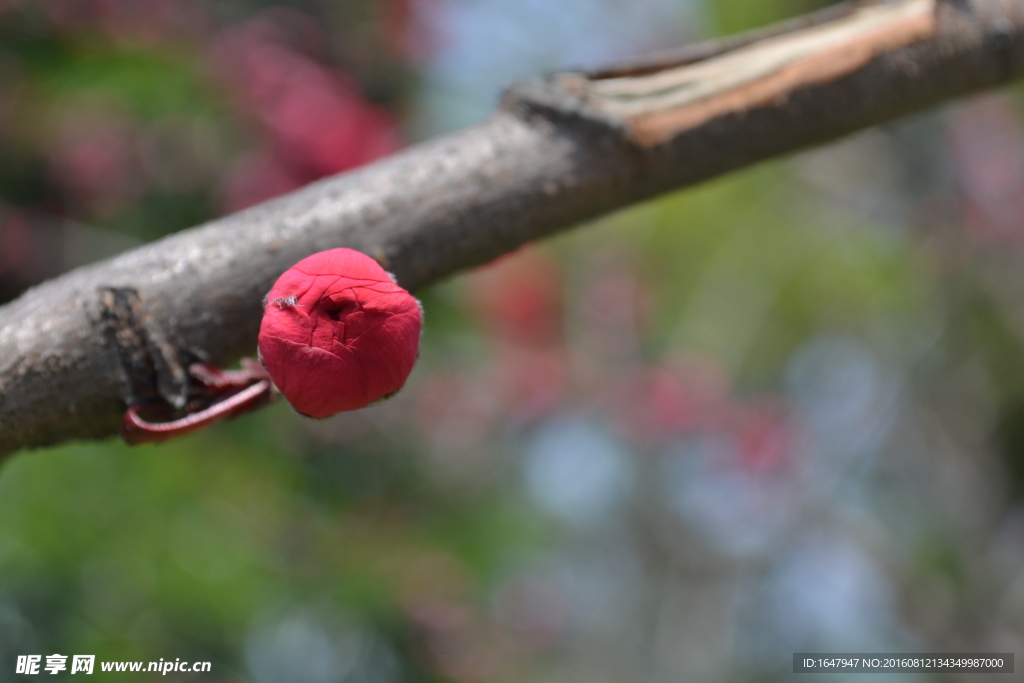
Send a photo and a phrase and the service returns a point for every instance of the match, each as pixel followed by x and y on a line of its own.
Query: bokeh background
pixel 780 412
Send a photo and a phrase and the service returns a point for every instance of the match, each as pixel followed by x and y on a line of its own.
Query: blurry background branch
pixel 560 150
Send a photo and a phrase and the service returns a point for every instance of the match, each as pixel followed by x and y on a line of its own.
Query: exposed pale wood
pixel 658 106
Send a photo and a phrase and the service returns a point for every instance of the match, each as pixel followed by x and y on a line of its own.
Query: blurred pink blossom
pixel 687 393
pixel 614 309
pixel 93 160
pixel 15 240
pixel 987 142
pixel 255 177
pixel 531 382
pixel 518 298
pixel 764 434
pixel 314 118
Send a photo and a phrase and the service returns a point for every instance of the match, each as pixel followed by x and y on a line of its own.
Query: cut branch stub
pixel 660 105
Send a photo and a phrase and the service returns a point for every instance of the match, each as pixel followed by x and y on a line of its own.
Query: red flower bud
pixel 338 333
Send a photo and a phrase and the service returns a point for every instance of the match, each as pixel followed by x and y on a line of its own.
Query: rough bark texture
pixel 560 150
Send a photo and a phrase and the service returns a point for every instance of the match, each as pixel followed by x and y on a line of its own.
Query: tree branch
pixel 560 150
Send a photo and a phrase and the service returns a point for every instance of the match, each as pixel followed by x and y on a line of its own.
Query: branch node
pixel 151 364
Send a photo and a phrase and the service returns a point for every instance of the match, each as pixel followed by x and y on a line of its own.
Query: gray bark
pixel 560 150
